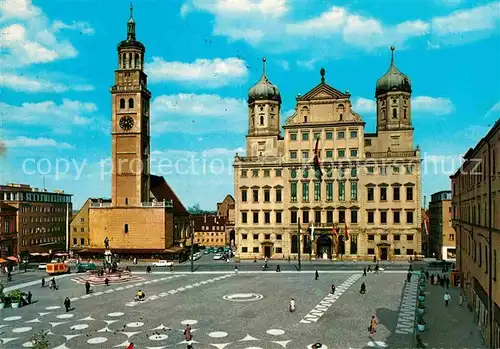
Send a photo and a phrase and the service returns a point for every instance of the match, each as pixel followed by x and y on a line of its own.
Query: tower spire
pixel 264 66
pixel 392 55
pixel 131 25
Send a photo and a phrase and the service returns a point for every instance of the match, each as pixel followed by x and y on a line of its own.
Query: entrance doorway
pixel 324 247
pixel 232 238
pixel 383 253
pixel 267 251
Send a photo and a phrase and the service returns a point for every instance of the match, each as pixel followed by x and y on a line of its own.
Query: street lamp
pixel 191 229
pixel 298 243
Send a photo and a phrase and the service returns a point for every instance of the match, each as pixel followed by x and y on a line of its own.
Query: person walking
pixel 29 296
pixel 187 333
pixel 130 346
pixel 333 289
pixel 106 281
pixel 408 276
pixel 364 271
pixel 87 287
pixel 236 269
pixel 67 304
pixel 43 282
pixel 447 298
pixel 362 290
pixel 316 275
pixel 373 324
pixel 278 269
pixel 292 305
pixel 461 299
pixel 148 269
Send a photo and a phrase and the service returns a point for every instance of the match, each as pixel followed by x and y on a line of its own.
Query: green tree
pixel 40 340
pixel 196 209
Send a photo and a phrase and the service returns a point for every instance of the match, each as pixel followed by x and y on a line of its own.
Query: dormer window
pixel 262 120
pixel 340 117
pixel 394 113
pixel 305 118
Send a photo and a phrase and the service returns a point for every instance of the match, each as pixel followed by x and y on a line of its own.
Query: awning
pixel 62 254
pixel 34 254
pixel 2 260
pixel 12 258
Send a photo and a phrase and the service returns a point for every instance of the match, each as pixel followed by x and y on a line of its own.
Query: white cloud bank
pixel 421 104
pixel 41 142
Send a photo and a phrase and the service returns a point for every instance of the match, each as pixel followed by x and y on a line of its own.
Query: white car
pixel 42 266
pixel 218 257
pixel 162 263
pixel 197 256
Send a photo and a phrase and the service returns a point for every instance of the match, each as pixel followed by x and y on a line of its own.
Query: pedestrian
pixel 43 282
pixel 187 333
pixel 278 269
pixel 408 277
pixel 29 296
pixel 67 304
pixel 410 269
pixel 106 281
pixel 288 259
pixel 316 275
pixel 362 290
pixel 292 305
pixel 130 346
pixel 373 324
pixel 9 276
pixel 364 271
pixel 447 298
pixel 369 268
pixel 461 299
pixel 447 280
pixel 236 269
pixel 87 287
pixel 148 269
pixel 376 268
pixel 25 267
pixel 426 274
pixel 53 285
pixel 333 289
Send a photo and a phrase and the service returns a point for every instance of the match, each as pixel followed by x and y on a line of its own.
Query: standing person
pixel 364 271
pixel 106 281
pixel 362 290
pixel 67 304
pixel 29 297
pixel 373 325
pixel 408 276
pixel 87 287
pixel 447 298
pixel 235 269
pixel 461 299
pixel 187 333
pixel 43 282
pixel 333 289
pixel 316 275
pixel 292 305
pixel 148 269
pixel 278 269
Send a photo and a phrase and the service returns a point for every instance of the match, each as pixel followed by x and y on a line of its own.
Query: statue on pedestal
pixel 106 243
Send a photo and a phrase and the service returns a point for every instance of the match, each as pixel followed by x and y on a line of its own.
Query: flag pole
pixel 298 238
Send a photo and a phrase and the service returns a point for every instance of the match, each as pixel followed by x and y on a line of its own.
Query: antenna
pixel 43 179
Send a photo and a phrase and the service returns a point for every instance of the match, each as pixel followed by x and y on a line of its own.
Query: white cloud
pixel 307 64
pixel 284 64
pixel 185 9
pixel 25 142
pixel 451 3
pixel 479 18
pixel 364 105
pixel 198 113
pixel 82 27
pixel 25 83
pixel 18 9
pixel 432 105
pixel 208 73
pixel 493 112
pixel 69 113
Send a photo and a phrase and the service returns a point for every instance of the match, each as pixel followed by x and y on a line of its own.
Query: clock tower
pixel 130 124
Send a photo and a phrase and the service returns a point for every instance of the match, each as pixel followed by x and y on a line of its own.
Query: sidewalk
pixel 448 327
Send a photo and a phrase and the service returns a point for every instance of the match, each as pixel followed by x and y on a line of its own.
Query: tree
pixel 40 340
pixel 196 209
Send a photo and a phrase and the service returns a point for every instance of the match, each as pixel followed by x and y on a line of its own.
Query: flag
pixel 346 232
pixel 335 233
pixel 317 163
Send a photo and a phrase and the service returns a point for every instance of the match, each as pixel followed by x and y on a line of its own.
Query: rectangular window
pixel 368 142
pixel 383 217
pixel 244 236
pixel 305 155
pixel 329 136
pixel 329 154
pixel 82 220
pixel 267 195
pixel 317 191
pixel 279 237
pixel 244 173
pixel 397 251
pixel 409 169
pixel 305 217
pixel 383 171
pixel 354 172
pixel 278 217
pixel 267 217
pixel 354 216
pixel 371 237
pixel 341 135
pixel 383 194
pixel 277 173
pixel 305 136
pixel 74 241
pixel 255 173
pixel 409 193
pixel 293 217
pixel 244 195
pixel 397 237
pixel 256 217
pixel 354 153
pixel 267 173
pixel 370 193
pixel 293 191
pixel 82 230
pixel 293 155
pixel 256 249
pixel 395 193
pixel 305 191
pixel 293 136
pixel 341 153
pixel 82 241
pixel 383 237
pixel 354 190
pixel 409 252
pixel 371 217
pixel 255 195
pixel 256 236
pixel 341 216
pixel 409 217
pixel 395 169
pixel 371 251
pixel 370 170
pixel 341 191
pixel 354 134
pixel 278 195
pixel 244 249
pixel 317 216
pixel 329 216
pixel 316 135
pixel 397 217
pixel 279 250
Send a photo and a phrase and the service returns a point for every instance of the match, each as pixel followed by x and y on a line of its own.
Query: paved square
pixel 232 311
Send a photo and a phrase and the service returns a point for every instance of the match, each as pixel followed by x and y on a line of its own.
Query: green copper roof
pixel 393 80
pixel 264 89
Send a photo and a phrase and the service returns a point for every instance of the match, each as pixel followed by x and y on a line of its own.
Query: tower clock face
pixel 126 123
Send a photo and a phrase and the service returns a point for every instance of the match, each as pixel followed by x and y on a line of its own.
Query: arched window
pixel 130 61
pixel 383 114
pixel 122 103
pixel 340 117
pixel 125 228
pixel 404 114
pixel 295 244
pixel 305 118
pixel 137 60
pixel 394 113
pixel 119 61
pixel 130 103
pixel 262 120
pixel 126 201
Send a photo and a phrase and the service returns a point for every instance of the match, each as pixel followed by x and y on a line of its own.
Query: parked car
pixel 218 256
pixel 42 266
pixel 207 251
pixel 162 263
pixel 197 255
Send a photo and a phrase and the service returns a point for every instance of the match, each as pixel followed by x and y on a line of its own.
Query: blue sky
pixel 58 60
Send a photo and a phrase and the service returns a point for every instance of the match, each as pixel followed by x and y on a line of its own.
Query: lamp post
pixel 490 249
pixel 298 243
pixel 191 229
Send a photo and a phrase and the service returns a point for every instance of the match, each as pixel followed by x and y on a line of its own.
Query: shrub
pixel 421 320
pixel 15 296
pixel 40 340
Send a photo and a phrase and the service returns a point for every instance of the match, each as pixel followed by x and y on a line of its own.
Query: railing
pixel 391 154
pixel 254 159
pixel 166 203
pixel 100 204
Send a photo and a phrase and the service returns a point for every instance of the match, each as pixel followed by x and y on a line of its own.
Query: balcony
pixel 165 203
pixel 100 204
pixel 392 154
pixel 259 159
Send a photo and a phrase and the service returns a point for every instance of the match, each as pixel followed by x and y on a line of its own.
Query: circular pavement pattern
pixel 97 340
pixel 135 324
pixel 311 346
pixel 12 318
pixel 189 322
pixel 243 297
pixel 28 344
pixel 116 314
pixel 79 327
pixel 65 316
pixel 158 337
pixel 377 344
pixel 22 329
pixel 217 334
pixel 54 307
pixel 275 332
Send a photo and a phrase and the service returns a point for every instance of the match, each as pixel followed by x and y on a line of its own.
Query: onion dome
pixel 131 41
pixel 264 89
pixel 393 80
